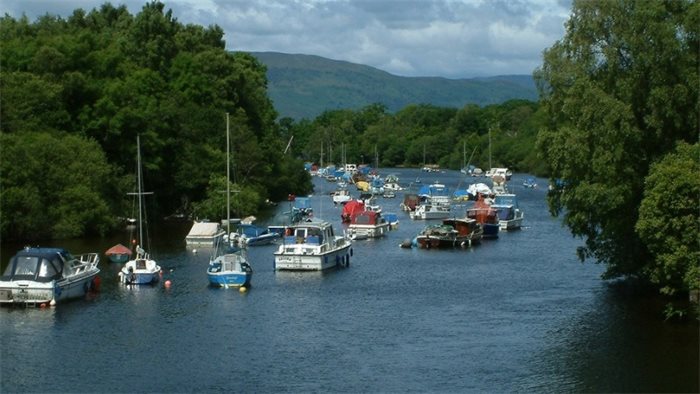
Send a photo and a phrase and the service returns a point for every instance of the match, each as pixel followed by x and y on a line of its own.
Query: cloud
pixel 449 38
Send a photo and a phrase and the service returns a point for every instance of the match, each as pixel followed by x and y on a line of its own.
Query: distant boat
pixel 312 245
pixel 119 254
pixel 143 269
pixel 530 182
pixel 48 275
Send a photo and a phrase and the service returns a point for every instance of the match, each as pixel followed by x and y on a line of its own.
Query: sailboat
pixel 231 267
pixel 142 269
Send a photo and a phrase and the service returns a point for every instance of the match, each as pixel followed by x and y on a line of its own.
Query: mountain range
pixel 304 86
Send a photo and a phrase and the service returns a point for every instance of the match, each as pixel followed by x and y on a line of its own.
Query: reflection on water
pixel 515 314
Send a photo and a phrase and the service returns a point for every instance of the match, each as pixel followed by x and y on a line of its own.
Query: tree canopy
pixel 96 80
pixel 620 91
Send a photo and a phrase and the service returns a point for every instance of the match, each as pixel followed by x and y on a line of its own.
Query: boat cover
pixel 118 249
pixel 203 229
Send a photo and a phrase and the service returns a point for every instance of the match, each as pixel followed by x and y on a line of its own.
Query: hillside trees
pixel 620 91
pixel 107 76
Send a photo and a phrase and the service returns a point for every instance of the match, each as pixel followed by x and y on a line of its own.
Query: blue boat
pixel 253 235
pixel 230 268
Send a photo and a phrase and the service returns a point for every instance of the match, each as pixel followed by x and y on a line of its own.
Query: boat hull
pixel 29 292
pixel 140 272
pixel 512 224
pixel 313 262
pixel 229 279
pixel 359 231
pixel 430 242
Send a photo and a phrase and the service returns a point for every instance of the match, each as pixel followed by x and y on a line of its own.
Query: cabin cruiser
pixel 312 245
pixel 36 276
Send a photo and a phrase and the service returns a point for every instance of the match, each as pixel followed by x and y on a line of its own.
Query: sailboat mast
pixel 490 166
pixel 139 180
pixel 228 179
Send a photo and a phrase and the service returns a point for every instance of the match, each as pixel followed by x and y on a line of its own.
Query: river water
pixel 516 314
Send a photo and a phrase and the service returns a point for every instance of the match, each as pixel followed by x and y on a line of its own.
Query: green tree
pixel 54 187
pixel 668 221
pixel 619 90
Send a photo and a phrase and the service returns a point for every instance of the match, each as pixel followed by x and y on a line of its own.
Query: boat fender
pixel 350 251
pixel 337 260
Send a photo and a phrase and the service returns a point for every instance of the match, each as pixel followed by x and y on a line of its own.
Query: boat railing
pixel 88 258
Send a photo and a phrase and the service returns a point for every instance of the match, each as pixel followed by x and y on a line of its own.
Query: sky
pixel 429 38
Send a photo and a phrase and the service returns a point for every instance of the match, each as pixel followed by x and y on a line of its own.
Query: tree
pixel 619 90
pixel 668 221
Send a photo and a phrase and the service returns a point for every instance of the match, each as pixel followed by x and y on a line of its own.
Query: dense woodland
pixel 616 128
pixel 75 94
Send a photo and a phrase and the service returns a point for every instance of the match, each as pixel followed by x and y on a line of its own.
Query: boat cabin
pixel 40 265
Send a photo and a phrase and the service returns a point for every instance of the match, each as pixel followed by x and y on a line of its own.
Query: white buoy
pixel 53 302
pixel 194 251
pixel 242 289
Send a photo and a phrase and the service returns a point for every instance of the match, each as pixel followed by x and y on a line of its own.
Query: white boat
pixel 35 276
pixel 341 196
pixel 205 234
pixel 367 224
pixel 143 269
pixel 312 245
pixel 230 267
pixel 510 217
pixel 429 211
pixel 393 186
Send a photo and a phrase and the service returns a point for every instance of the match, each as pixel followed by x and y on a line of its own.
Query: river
pixel 516 314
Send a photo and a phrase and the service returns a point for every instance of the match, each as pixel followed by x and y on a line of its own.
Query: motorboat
pixel 462 232
pixel 204 234
pixel 36 276
pixel 341 196
pixel 312 245
pixel 510 217
pixel 367 224
pixel 252 235
pixel 429 211
pixel 485 215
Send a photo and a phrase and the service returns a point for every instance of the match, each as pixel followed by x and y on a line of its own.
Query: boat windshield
pixel 32 268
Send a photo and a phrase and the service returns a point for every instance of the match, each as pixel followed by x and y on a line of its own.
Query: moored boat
pixel 229 267
pixel 485 215
pixel 252 235
pixel 367 224
pixel 510 217
pixel 463 232
pixel 312 245
pixel 118 254
pixel 143 269
pixel 204 234
pixel 35 276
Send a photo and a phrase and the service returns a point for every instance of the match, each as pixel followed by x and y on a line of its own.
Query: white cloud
pixel 450 38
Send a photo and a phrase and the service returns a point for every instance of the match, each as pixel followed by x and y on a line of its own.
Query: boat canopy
pixel 118 249
pixel 37 264
pixel 365 217
pixel 505 199
pixel 204 229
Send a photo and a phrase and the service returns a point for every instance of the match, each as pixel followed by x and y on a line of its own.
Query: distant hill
pixel 303 86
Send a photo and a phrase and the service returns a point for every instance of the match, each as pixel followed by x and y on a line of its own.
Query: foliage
pixel 420 134
pixel 107 76
pixel 668 221
pixel 54 185
pixel 619 90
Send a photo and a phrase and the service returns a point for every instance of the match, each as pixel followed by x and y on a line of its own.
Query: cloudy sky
pixel 447 38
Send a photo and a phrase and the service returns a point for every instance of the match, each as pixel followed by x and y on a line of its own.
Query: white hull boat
pixel 312 246
pixel 35 276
